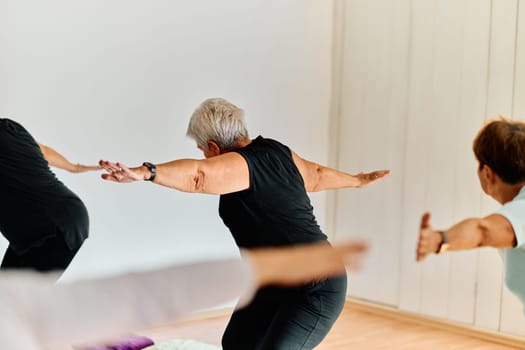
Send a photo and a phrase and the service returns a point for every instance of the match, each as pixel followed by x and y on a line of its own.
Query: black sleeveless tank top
pixel 276 209
pixel 34 204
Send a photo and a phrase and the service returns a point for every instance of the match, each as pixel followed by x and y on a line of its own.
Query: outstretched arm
pixel 319 178
pixel 289 266
pixel 222 174
pixel 57 160
pixel 89 310
pixel 491 231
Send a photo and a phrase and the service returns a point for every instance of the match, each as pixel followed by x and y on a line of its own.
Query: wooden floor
pixel 355 330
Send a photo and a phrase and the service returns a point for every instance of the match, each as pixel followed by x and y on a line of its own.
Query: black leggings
pixel 52 255
pixel 287 319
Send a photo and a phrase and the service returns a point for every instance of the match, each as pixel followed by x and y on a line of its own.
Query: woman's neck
pixel 508 192
pixel 240 144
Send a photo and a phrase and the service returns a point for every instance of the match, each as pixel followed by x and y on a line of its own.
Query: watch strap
pixel 153 170
pixel 443 245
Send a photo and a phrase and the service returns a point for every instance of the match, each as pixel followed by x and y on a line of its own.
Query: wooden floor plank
pixel 355 329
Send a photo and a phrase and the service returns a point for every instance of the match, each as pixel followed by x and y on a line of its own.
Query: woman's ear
pixel 489 174
pixel 214 148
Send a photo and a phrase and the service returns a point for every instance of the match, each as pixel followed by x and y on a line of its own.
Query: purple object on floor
pixel 132 342
pixel 129 342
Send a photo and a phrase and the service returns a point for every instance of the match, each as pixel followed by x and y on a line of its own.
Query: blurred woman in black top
pixel 44 221
pixel 264 203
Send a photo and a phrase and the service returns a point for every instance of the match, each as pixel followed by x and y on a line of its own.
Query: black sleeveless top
pixel 34 204
pixel 276 209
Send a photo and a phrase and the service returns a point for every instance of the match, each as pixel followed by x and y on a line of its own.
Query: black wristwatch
pixel 152 168
pixel 443 245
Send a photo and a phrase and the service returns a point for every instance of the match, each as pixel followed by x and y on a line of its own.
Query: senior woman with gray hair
pixel 263 189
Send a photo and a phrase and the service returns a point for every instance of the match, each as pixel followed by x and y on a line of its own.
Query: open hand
pixel 352 253
pixel 369 178
pixel 118 172
pixel 428 241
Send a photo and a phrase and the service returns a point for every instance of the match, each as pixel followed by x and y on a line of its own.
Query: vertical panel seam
pixel 515 59
pixel 489 50
pixel 338 31
pixel 489 60
pixel 511 116
pixel 405 140
pixel 460 102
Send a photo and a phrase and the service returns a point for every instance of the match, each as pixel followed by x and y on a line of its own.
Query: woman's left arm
pixel 57 160
pixel 221 174
pixel 319 178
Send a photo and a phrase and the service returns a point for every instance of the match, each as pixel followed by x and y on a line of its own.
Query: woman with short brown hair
pixel 500 150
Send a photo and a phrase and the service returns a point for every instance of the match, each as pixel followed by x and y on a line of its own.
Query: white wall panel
pixel 499 101
pixel 372 117
pixel 467 192
pixel 512 319
pixel 502 54
pixel 394 114
pixel 355 93
pixel 455 68
pixel 445 88
pixel 519 74
pixel 418 166
pixel 3 56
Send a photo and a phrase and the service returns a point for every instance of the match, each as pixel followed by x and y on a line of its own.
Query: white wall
pixel 419 78
pixel 3 52
pixel 119 80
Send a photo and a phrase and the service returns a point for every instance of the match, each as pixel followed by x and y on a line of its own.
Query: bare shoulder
pixel 296 157
pixel 224 173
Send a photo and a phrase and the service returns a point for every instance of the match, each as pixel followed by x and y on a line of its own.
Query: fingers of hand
pixel 424 245
pixel 378 174
pixel 425 220
pixel 372 176
pixel 354 254
pixel 354 262
pixel 105 165
pixel 109 177
pixel 113 169
pixel 420 255
pixel 353 247
pixel 125 170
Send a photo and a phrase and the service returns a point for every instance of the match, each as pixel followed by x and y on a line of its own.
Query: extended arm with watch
pixel 491 231
pixel 220 174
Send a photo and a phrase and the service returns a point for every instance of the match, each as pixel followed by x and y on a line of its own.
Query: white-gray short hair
pixel 217 120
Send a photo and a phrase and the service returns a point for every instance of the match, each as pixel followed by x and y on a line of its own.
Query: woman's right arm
pixel 319 178
pixel 57 160
pixel 221 174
